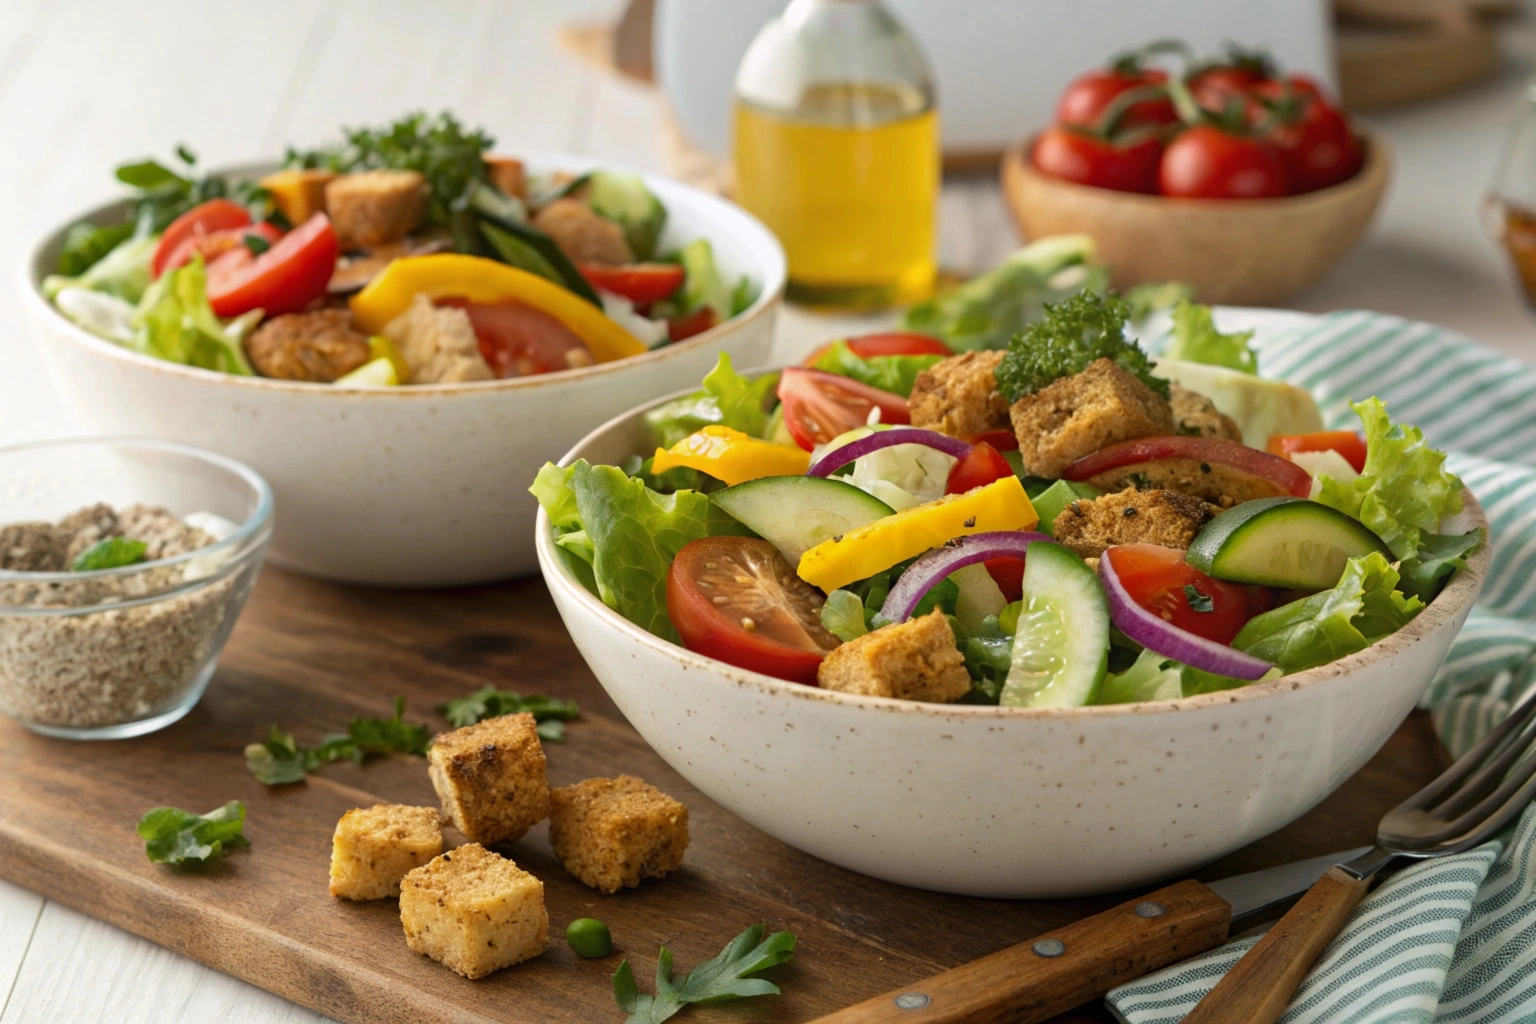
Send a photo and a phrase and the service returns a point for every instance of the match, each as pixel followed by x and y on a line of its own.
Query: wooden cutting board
pixel 310 656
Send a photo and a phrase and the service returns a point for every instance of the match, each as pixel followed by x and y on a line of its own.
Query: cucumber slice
pixel 1281 542
pixel 1061 644
pixel 625 199
pixel 1058 496
pixel 795 513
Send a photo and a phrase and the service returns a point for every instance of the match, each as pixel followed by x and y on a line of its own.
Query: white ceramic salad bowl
pixel 417 486
pixel 1004 802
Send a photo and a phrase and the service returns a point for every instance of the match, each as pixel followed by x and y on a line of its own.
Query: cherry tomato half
pixel 284 279
pixel 637 282
pixel 1089 95
pixel 977 468
pixel 738 600
pixel 689 324
pixel 180 235
pixel 214 244
pixel 518 340
pixel 894 343
pixel 1073 154
pixel 1008 574
pixel 1159 580
pixel 1002 440
pixel 1208 163
pixel 818 405
pixel 1346 442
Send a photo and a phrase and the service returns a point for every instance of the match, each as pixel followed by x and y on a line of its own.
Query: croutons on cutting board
pixel 490 778
pixel 959 395
pixel 474 911
pixel 610 833
pixel 1077 415
pixel 912 660
pixel 1166 518
pixel 374 847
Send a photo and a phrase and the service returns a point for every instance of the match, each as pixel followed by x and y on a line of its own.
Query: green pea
pixel 589 937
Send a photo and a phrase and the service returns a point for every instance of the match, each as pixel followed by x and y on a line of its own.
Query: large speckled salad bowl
pixel 995 801
pixel 415 486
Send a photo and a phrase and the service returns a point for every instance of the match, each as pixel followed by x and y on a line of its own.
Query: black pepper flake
pixel 1076 510
pixel 953 542
pixel 836 538
pixel 1205 467
pixel 1130 512
pixel 448 857
pixel 969 522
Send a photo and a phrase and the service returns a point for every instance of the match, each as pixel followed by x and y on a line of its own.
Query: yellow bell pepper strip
pixel 477 279
pixel 731 456
pixel 873 547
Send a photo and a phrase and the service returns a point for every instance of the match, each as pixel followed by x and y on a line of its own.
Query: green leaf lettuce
pixel 725 398
pixel 174 322
pixel 1196 340
pixel 896 374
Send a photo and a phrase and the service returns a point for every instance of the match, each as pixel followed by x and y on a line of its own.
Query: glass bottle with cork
pixel 837 151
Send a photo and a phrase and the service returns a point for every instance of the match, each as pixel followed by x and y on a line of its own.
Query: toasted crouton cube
pixel 959 396
pixel 490 778
pixel 508 174
pixel 610 833
pixel 912 660
pixel 320 345
pixel 1197 416
pixel 474 911
pixel 1166 518
pixel 375 207
pixel 438 343
pixel 1077 415
pixel 374 847
pixel 298 192
pixel 584 236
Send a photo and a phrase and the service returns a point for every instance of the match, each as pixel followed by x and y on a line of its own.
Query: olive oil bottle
pixel 837 151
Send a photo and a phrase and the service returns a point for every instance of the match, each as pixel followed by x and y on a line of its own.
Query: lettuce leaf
pixel 123 272
pixel 896 374
pixel 1405 490
pixel 1196 340
pixel 843 615
pixel 725 397
pixel 1151 677
pixel 1154 297
pixel 1438 556
pixel 1364 607
pixel 174 322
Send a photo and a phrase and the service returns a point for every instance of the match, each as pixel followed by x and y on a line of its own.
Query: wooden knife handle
pixel 1259 987
pixel 1036 980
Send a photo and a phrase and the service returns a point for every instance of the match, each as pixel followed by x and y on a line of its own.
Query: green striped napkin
pixel 1452 940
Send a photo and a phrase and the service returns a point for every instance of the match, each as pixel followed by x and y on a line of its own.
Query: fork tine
pixel 1500 817
pixel 1485 808
pixel 1490 776
pixel 1473 759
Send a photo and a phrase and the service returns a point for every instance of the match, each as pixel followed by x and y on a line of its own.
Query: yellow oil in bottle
pixel 849 181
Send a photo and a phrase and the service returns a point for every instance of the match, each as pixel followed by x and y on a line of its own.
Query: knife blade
pixel 1052 973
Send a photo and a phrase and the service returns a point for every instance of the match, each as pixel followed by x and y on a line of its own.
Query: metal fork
pixel 1469 803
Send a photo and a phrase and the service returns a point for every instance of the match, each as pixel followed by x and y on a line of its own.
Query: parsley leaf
pixel 1198 601
pixel 726 977
pixel 112 553
pixel 488 702
pixel 279 759
pixel 1074 333
pixel 174 836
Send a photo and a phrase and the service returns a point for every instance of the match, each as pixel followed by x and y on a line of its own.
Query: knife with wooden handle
pixel 1052 973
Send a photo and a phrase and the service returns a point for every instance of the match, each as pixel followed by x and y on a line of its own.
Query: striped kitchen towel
pixel 1452 940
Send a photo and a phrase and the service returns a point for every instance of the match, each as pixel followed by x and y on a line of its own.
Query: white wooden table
pixel 86 85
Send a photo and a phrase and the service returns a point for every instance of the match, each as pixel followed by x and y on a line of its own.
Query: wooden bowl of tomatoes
pixel 1243 183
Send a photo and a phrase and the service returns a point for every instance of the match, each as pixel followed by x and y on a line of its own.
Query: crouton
pixel 1166 518
pixel 438 343
pixel 1197 416
pixel 1220 485
pixel 912 660
pixel 959 396
pixel 508 174
pixel 374 847
pixel 298 192
pixel 490 778
pixel 1077 415
pixel 474 911
pixel 610 833
pixel 320 346
pixel 584 236
pixel 375 207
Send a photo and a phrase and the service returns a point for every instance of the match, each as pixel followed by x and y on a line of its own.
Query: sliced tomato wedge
pixel 284 279
pixel 818 405
pixel 893 343
pixel 216 243
pixel 738 600
pixel 1008 574
pixel 179 240
pixel 1002 440
pixel 1159 580
pixel 1346 442
pixel 976 468
pixel 1283 475
pixel 686 326
pixel 518 340
pixel 637 282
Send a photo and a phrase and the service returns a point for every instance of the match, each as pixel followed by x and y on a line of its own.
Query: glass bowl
pixel 120 652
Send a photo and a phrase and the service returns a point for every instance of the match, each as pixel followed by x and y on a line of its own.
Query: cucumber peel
pixel 1281 542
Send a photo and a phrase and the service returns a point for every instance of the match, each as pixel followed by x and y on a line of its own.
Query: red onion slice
pixel 840 456
pixel 925 573
pixel 1163 637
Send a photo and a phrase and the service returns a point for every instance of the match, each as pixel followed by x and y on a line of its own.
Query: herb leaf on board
pixel 174 836
pixel 726 977
pixel 279 759
pixel 550 713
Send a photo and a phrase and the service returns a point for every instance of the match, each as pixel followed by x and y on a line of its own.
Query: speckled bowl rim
pixel 1456 598
pixel 771 279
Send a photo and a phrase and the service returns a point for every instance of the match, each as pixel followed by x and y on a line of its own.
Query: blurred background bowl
pixel 1244 252
pixel 411 486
